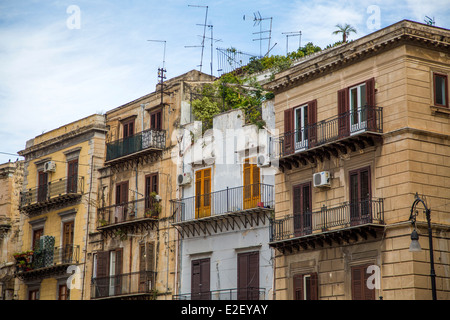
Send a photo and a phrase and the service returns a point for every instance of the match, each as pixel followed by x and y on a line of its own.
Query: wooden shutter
pixel 42 186
pixel 156 120
pixel 296 206
pixel 312 123
pixel 343 113
pixel 72 176
pixel 314 287
pixel 68 229
pixel 288 145
pixel 200 279
pixel 371 105
pixel 101 279
pixel 151 185
pixel 298 287
pixel 248 276
pixel 203 193
pixel 360 291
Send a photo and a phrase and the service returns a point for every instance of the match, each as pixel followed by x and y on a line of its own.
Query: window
pixel 42 186
pixel 252 194
pixel 128 128
pixel 203 193
pixel 156 120
pixel 302 209
pixel 440 90
pixel 360 290
pixel 356 108
pixel 151 185
pixel 121 208
pixel 360 196
pixel 146 266
pixel 72 176
pixel 67 253
pixel 37 233
pixel 248 276
pixel 305 286
pixel 300 129
pixel 108 278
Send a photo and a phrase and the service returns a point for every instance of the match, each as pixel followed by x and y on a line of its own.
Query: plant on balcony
pixel 23 260
pixel 155 206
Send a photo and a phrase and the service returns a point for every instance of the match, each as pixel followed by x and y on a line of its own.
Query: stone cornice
pixel 332 59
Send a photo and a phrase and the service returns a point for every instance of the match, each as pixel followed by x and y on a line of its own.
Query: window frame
pixel 446 94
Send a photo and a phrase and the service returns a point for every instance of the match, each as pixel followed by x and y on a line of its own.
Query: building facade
pixel 56 205
pixel 132 244
pixel 225 201
pixel 11 178
pixel 366 130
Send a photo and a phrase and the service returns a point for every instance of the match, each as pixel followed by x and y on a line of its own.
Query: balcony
pixel 345 223
pixel 133 216
pixel 338 135
pixel 225 294
pixel 135 285
pixel 142 145
pixel 53 194
pixel 44 263
pixel 229 209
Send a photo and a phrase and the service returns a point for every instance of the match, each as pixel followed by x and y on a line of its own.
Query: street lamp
pixel 415 246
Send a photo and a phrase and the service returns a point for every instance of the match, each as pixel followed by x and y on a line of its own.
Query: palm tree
pixel 345 30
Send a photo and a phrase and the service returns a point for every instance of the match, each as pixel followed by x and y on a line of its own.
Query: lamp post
pixel 415 246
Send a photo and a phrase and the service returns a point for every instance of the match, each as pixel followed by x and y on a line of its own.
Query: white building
pixel 225 200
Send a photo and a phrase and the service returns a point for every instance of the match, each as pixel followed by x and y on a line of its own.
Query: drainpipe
pixel 87 227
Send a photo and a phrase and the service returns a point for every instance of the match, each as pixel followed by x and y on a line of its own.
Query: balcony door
pixel 67 249
pixel 203 193
pixel 360 197
pixel 108 275
pixel 200 279
pixel 248 276
pixel 42 186
pixel 252 187
pixel 300 127
pixel 121 207
pixel 302 209
pixel 358 108
pixel 72 176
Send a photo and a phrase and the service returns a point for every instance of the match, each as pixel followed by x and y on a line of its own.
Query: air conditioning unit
pixel 184 178
pixel 50 166
pixel 322 179
pixel 263 160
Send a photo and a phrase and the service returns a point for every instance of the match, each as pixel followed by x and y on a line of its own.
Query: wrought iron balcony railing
pixel 145 140
pixel 327 219
pixel 225 294
pixel 365 119
pixel 141 282
pixel 51 193
pixel 48 258
pixel 224 201
pixel 145 208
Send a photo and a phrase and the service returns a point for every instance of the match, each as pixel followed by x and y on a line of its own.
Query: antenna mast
pixel 162 71
pixel 293 34
pixel 204 32
pixel 257 21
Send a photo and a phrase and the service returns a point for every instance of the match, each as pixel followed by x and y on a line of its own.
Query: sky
pixel 61 61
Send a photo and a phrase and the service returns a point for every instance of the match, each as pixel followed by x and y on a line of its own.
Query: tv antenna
pixel 204 34
pixel 429 21
pixel 293 34
pixel 211 27
pixel 257 18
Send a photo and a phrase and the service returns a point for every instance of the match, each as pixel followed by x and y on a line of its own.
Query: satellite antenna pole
pixel 161 71
pixel 204 32
pixel 293 34
pixel 257 21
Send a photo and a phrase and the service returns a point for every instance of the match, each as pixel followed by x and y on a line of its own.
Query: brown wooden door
pixel 288 142
pixel 360 197
pixel 156 120
pixel 146 267
pixel 302 209
pixel 360 290
pixel 200 279
pixel 36 237
pixel 252 187
pixel 67 249
pixel 306 286
pixel 72 176
pixel 248 276
pixel 42 186
pixel 101 279
pixel 343 113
